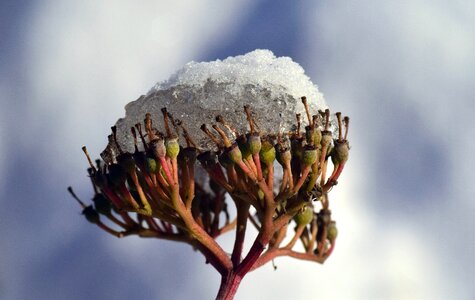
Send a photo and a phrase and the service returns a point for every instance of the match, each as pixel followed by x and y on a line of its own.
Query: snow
pixel 272 86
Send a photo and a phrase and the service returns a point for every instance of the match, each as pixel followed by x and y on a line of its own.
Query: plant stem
pixel 229 286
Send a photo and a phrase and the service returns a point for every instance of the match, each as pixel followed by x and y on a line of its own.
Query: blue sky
pixel 403 71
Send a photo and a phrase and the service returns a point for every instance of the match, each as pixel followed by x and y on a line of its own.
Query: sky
pixel 402 70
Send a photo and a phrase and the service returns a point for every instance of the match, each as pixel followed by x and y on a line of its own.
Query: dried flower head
pixel 174 174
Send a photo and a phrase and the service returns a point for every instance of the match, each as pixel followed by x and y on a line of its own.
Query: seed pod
pixel 151 165
pixel 324 216
pixel 267 153
pixel 309 156
pixel 332 231
pixel 189 153
pixel 157 148
pixel 326 140
pixel 283 155
pixel 208 159
pixel 126 161
pixel 340 152
pixel 99 179
pixel 234 153
pixel 243 146
pixel 91 214
pixel 254 141
pixel 304 217
pixel 172 147
pixel 101 204
pixel 296 146
pixel 116 175
pixel 313 136
pixel 140 159
pixel 224 159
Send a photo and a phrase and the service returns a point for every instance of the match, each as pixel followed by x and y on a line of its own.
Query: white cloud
pixel 88 59
pixel 421 54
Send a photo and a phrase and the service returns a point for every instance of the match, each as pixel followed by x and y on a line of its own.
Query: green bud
pixel 304 217
pixel 255 144
pixel 310 155
pixel 151 165
pixel 91 214
pixel 116 175
pixel 332 231
pixel 101 204
pixel 267 153
pixel 234 153
pixel 173 147
pixel 260 194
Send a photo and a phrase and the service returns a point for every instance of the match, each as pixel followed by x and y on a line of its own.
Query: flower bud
pixel 157 147
pixel 101 204
pixel 116 175
pixel 304 217
pixel 243 146
pixel 309 156
pixel 208 159
pixel 172 147
pixel 126 161
pixel 151 165
pixel 140 159
pixel 283 155
pixel 326 140
pixel 324 216
pixel 267 153
pixel 296 146
pixel 99 179
pixel 332 231
pixel 91 214
pixel 234 153
pixel 254 141
pixel 224 159
pixel 313 136
pixel 340 151
pixel 189 153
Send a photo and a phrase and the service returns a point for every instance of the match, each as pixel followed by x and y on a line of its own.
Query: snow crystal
pixel 271 86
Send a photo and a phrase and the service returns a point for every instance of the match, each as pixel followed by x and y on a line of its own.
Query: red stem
pixel 229 286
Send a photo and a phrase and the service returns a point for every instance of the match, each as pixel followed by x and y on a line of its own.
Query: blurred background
pixel 403 70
